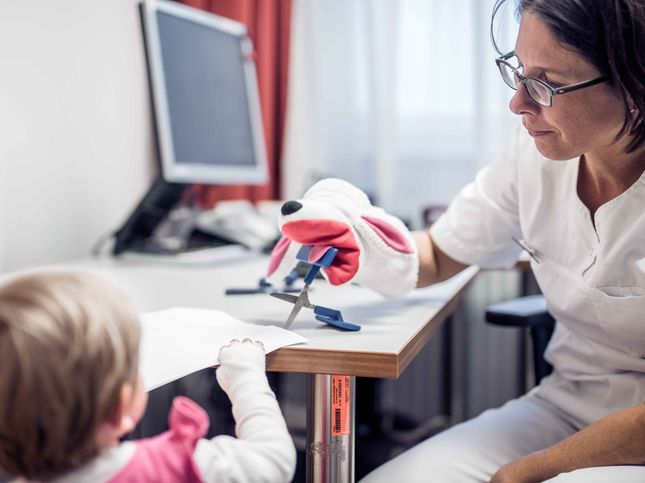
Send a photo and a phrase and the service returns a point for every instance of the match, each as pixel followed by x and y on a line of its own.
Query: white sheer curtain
pixel 401 98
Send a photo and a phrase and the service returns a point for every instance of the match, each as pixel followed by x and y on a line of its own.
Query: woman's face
pixel 585 121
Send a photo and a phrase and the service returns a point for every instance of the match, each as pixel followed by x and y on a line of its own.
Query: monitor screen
pixel 205 96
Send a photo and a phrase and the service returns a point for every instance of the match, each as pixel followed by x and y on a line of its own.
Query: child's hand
pixel 237 358
pixel 236 350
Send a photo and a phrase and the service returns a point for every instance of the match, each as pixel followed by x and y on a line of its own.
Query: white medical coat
pixel 588 274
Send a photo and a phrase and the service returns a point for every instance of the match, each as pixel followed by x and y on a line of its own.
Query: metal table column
pixel 330 428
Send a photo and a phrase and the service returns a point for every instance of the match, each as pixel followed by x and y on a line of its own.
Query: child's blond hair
pixel 68 343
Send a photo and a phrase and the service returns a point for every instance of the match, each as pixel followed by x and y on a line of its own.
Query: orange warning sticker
pixel 340 400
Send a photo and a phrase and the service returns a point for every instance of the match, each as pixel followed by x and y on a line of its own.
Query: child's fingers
pixel 246 340
pixel 257 342
pixel 230 343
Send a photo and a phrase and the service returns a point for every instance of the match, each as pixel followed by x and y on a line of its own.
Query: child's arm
pixel 263 450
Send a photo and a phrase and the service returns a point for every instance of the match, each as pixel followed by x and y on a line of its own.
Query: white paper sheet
pixel 179 341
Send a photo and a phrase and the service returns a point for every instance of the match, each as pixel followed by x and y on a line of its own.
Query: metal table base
pixel 330 428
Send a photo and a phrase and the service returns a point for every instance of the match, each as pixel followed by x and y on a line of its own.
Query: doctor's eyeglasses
pixel 540 91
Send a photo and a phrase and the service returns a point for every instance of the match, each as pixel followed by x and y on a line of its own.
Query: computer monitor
pixel 205 95
pixel 206 110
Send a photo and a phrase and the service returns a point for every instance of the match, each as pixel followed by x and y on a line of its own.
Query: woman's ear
pixel 636 117
pixel 633 108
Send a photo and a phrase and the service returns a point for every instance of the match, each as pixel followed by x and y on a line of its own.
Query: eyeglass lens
pixel 537 91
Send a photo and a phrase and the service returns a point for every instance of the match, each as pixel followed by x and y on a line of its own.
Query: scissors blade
pixel 285 296
pixel 292 316
pixel 301 301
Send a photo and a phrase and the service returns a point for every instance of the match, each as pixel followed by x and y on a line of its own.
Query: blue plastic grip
pixel 324 261
pixel 334 317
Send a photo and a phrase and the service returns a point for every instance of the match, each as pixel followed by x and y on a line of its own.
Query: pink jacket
pixel 168 457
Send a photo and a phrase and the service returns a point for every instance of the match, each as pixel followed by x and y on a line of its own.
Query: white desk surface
pixel 392 331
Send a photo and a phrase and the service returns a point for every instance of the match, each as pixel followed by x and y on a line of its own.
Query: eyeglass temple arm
pixel 581 85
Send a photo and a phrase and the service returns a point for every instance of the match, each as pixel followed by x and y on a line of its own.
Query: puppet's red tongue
pixel 323 234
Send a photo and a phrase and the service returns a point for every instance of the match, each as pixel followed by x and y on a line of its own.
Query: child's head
pixel 69 361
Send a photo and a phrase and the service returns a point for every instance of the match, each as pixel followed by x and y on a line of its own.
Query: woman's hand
pixel 375 249
pixel 523 470
pixel 617 439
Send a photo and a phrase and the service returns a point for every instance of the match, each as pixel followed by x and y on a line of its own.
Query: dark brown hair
pixel 609 34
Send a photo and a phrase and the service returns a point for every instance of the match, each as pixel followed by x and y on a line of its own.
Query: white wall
pixel 76 150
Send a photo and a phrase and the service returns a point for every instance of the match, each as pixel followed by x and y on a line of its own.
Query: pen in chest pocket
pixel 532 253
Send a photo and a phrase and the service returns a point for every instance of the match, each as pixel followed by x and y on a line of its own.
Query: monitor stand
pixel 159 225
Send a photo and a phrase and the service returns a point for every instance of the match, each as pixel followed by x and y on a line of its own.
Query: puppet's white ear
pixel 389 261
pixel 391 235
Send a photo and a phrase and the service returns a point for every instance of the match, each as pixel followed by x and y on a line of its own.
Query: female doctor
pixel 571 185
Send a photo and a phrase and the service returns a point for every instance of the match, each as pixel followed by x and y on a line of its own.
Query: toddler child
pixel 70 389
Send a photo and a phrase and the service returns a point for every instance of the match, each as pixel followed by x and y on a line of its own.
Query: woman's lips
pixel 535 133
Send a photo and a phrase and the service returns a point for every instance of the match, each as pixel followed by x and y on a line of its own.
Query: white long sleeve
pixel 263 450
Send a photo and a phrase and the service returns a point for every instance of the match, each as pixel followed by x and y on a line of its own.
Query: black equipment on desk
pixel 207 120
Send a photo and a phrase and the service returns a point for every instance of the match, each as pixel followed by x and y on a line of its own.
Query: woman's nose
pixel 290 207
pixel 522 102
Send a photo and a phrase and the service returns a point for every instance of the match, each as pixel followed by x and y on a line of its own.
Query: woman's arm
pixel 434 265
pixel 618 439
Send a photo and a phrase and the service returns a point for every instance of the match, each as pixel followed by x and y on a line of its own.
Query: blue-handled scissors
pixel 324 314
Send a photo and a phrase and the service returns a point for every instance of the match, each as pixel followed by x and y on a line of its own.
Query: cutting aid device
pixel 324 314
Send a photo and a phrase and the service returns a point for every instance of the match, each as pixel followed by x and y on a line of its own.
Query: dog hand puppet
pixel 375 249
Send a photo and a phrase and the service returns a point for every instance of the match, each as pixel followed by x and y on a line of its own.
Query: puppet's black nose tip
pixel 290 207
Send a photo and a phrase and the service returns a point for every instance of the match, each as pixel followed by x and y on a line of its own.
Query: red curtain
pixel 268 24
